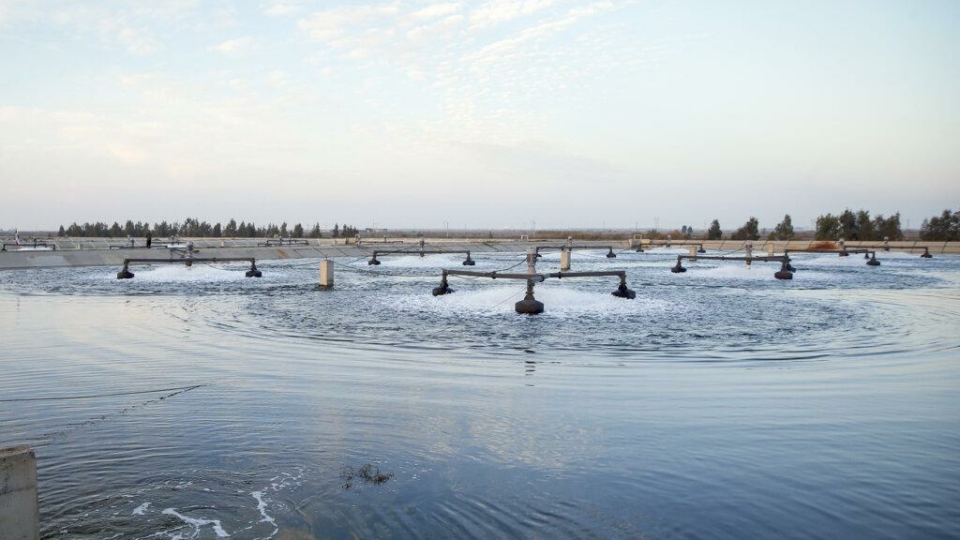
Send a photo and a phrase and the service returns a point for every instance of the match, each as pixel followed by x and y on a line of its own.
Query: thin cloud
pixel 235 46
pixel 436 10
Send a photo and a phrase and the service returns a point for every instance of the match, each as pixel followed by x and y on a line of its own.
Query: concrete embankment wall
pixel 105 256
pixel 15 259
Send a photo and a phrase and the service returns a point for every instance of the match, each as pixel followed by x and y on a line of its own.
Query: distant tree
pixel 888 228
pixel 231 229
pixel 336 230
pixel 828 227
pixel 298 231
pixel 714 232
pixel 129 228
pixel 115 230
pixel 217 231
pixel 62 231
pixel 783 230
pixel 283 230
pixel 749 231
pixel 848 225
pixel 865 230
pixel 942 228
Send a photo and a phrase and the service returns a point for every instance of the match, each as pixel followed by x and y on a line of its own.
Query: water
pixel 721 403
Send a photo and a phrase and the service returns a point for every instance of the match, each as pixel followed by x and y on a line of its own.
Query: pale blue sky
pixel 481 114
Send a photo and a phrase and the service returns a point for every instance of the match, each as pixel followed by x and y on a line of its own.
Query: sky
pixel 477 114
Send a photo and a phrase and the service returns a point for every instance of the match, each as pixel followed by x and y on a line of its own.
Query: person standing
pixel 149 239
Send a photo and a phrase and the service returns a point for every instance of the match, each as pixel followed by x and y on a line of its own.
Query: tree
pixel 848 225
pixel 714 232
pixel 828 227
pixel 217 230
pixel 865 230
pixel 298 231
pixel 128 228
pixel 783 230
pixel 888 228
pixel 749 231
pixel 231 229
pixel 943 228
pixel 283 230
pixel 115 230
pixel 336 230
pixel 315 231
pixel 62 231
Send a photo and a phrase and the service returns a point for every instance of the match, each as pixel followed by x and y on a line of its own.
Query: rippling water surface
pixel 721 403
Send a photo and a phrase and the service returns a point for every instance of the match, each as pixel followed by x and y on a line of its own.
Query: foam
pixel 262 508
pixel 138 511
pixel 427 261
pixel 559 301
pixel 757 272
pixel 197 524
pixel 182 273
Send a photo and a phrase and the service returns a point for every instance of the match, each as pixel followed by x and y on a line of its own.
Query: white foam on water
pixel 828 260
pixel 262 507
pixel 31 248
pixel 756 272
pixel 669 251
pixel 138 511
pixel 182 273
pixel 558 300
pixel 197 524
pixel 428 261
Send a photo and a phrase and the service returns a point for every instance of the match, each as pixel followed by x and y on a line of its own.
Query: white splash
pixel 138 511
pixel 262 507
pixel 559 301
pixel 181 273
pixel 197 524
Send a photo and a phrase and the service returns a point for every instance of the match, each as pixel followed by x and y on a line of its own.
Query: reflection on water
pixel 721 403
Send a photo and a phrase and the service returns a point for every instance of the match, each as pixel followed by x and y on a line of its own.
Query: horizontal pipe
pixel 537 277
pixel 767 258
pixel 416 252
pixel 571 247
pixel 847 250
pixel 191 259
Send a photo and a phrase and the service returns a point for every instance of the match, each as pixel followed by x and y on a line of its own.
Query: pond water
pixel 194 403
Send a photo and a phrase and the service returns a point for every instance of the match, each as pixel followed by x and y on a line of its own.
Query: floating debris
pixel 368 474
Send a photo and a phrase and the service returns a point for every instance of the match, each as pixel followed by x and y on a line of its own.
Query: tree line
pixel 848 225
pixel 944 228
pixel 193 227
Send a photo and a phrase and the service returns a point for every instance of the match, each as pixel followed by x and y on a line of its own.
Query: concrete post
pixel 769 248
pixel 531 260
pixel 326 274
pixel 693 252
pixel 19 510
pixel 564 260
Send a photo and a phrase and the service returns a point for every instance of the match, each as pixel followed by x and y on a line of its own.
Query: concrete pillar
pixel 19 510
pixel 693 252
pixel 564 260
pixel 531 260
pixel 770 248
pixel 326 274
